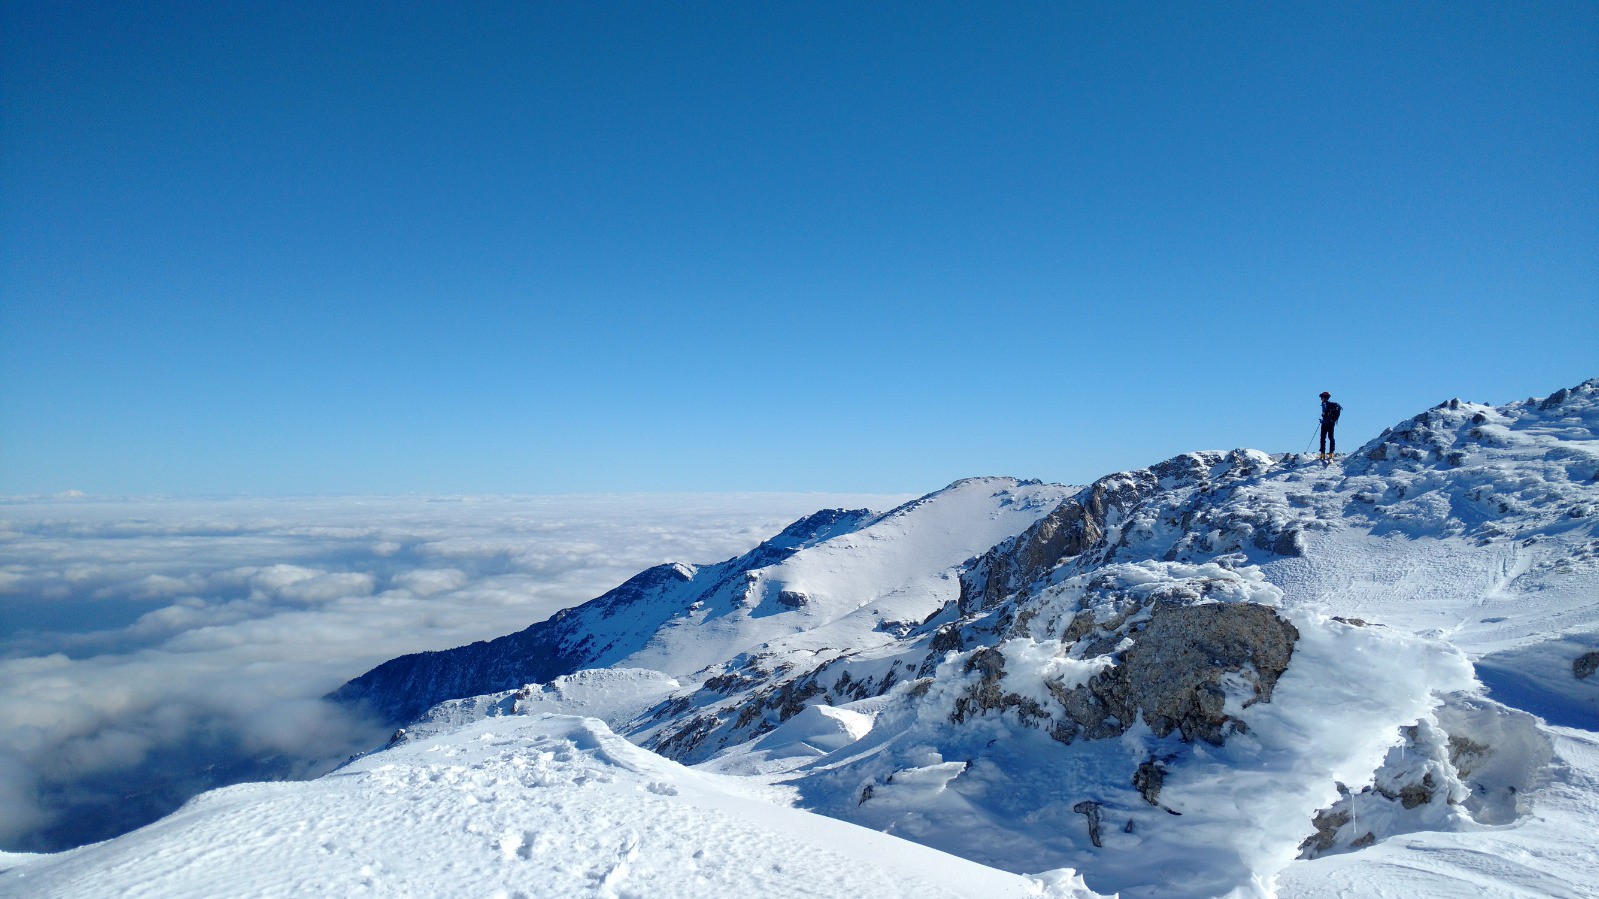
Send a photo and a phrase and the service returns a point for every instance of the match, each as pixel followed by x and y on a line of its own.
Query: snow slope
pixel 849 569
pixel 546 806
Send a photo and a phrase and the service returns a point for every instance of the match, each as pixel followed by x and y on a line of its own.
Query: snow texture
pixel 541 805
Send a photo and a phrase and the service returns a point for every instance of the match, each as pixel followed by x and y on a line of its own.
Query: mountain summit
pixel 1227 674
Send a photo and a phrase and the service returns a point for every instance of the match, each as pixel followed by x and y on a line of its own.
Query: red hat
pixel 1325 394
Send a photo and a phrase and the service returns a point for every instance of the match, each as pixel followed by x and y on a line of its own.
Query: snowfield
pixel 1228 674
pixel 543 805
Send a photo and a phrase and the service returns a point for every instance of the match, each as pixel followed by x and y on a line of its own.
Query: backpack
pixel 1330 413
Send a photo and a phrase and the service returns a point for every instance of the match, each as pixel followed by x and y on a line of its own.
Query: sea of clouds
pixel 152 649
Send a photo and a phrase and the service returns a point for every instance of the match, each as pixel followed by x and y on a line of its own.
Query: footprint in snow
pixel 513 845
pixel 626 853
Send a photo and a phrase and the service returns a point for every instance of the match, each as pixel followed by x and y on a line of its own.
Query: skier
pixel 1329 420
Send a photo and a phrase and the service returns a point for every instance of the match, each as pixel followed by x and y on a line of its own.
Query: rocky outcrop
pixel 1585 665
pixel 1090 810
pixel 987 694
pixel 1182 668
pixel 1445 471
pixel 761 693
pixel 1182 648
pixel 1148 779
pixel 1190 507
pixel 1327 823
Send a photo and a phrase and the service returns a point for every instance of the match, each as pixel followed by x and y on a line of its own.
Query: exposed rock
pixel 1185 647
pixel 986 695
pixel 1585 665
pixel 1090 809
pixel 1178 672
pixel 947 639
pixel 729 682
pixel 1193 506
pixel 1067 531
pixel 1147 780
pixel 1419 785
pixel 1327 822
pixel 1412 795
pixel 689 734
pixel 793 599
pixel 1291 542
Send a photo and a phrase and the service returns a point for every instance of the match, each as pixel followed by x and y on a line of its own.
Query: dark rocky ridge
pixel 1167 511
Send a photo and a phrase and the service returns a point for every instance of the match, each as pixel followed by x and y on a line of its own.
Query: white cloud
pixel 308 585
pixel 152 649
pixel 425 582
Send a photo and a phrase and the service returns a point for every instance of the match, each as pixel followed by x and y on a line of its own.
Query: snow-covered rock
pixel 1183 718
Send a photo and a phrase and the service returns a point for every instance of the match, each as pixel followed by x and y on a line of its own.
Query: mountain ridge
pixel 1225 674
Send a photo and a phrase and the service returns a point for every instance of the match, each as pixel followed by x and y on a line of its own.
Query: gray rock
pixel 1555 399
pixel 1147 780
pixel 987 695
pixel 1412 795
pixel 1173 674
pixel 1291 542
pixel 1585 665
pixel 947 639
pixel 1327 823
pixel 1090 809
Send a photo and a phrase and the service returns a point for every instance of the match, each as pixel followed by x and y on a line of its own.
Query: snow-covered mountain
pixel 849 573
pixel 1226 674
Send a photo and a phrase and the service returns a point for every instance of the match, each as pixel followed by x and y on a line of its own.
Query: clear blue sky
pixel 550 247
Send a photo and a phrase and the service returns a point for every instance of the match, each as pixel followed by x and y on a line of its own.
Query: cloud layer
pixel 153 649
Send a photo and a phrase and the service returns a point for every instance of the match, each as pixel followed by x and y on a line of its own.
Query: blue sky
pixel 553 247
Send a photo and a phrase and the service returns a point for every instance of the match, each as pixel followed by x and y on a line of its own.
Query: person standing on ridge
pixel 1329 420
